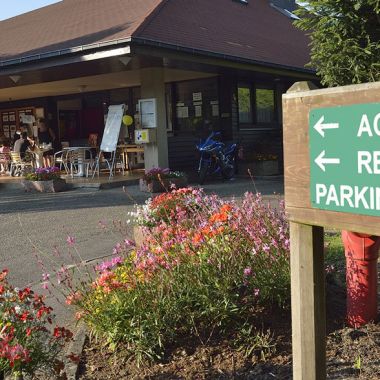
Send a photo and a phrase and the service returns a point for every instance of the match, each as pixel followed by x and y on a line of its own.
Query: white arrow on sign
pixel 321 160
pixel 320 126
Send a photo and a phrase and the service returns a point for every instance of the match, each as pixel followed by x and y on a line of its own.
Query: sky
pixel 11 8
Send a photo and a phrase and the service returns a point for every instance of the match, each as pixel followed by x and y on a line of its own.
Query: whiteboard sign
pixel 112 128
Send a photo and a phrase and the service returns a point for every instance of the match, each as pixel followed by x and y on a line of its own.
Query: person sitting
pixel 4 158
pixel 22 144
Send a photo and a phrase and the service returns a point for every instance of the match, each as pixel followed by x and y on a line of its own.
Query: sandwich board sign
pixel 112 128
pixel 345 158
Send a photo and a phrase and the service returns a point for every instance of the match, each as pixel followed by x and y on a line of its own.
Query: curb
pixel 75 348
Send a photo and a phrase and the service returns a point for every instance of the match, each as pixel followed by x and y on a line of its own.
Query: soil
pixel 351 354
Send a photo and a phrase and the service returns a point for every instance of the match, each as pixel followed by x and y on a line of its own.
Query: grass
pixel 335 260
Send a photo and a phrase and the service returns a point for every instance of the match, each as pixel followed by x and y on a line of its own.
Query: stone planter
pixel 156 186
pixel 262 168
pixel 52 186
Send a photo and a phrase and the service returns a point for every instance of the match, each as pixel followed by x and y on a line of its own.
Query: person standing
pixel 46 136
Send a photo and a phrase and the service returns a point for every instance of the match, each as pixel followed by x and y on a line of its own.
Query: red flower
pixel 22 294
pixel 3 274
pixel 24 316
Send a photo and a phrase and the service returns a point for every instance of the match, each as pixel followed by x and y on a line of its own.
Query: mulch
pixel 351 354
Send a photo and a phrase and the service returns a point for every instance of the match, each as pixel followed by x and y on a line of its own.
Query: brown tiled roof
pixel 71 23
pixel 255 31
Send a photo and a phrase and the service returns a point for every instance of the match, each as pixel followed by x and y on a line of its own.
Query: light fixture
pixel 125 60
pixel 15 78
pixel 82 87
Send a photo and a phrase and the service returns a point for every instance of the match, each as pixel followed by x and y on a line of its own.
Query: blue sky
pixel 11 8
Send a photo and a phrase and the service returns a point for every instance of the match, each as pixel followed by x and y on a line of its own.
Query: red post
pixel 362 252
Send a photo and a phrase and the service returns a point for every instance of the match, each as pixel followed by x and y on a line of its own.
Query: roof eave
pixel 70 55
pixel 158 44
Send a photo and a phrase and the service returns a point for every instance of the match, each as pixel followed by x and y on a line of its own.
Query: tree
pixel 345 39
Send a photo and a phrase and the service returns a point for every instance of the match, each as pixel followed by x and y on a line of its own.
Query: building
pixel 215 64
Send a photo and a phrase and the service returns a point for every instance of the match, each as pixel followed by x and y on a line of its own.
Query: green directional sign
pixel 345 158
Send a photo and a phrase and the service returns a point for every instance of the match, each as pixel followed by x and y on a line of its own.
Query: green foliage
pixel 335 259
pixel 194 278
pixel 345 35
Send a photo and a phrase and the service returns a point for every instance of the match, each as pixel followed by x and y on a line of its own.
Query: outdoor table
pixel 81 158
pixel 126 149
pixel 38 153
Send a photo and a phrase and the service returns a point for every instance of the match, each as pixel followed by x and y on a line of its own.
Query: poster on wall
pixel 39 113
pixel 5 117
pixel 182 112
pixel 6 130
pixel 215 108
pixel 198 111
pixel 12 131
pixel 12 117
pixel 197 96
pixel 148 113
pixel 27 119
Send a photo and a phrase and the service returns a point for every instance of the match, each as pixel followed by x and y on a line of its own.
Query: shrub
pixel 205 268
pixel 175 207
pixel 26 344
pixel 161 174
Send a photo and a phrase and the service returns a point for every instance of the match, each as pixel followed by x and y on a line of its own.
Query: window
pixel 245 105
pixel 264 99
pixel 196 105
pixel 256 106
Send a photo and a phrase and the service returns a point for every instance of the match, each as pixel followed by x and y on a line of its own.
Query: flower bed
pixel 203 269
pixel 25 342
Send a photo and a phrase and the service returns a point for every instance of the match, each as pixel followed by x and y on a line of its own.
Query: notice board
pixel 112 128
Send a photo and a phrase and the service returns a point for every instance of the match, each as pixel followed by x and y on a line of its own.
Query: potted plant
pixel 265 164
pixel 157 180
pixel 44 180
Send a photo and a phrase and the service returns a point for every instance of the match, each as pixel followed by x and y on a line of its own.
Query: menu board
pixel 148 113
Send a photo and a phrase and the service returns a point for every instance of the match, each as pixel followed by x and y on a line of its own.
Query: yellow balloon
pixel 127 120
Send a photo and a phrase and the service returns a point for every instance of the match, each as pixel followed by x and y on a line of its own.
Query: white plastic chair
pixel 80 161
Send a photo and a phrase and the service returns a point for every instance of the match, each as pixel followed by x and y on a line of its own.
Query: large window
pixel 196 105
pixel 256 106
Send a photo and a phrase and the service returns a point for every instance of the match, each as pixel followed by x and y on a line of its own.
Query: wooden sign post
pixel 332 178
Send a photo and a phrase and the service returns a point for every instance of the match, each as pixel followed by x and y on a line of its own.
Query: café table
pixel 126 149
pixel 76 157
pixel 38 153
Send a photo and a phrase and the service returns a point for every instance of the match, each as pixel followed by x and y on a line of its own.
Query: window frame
pixel 255 124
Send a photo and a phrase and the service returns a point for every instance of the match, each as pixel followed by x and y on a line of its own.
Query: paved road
pixel 31 223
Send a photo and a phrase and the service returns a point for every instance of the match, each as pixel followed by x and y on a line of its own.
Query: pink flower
pixel 247 271
pixel 106 265
pixel 70 240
